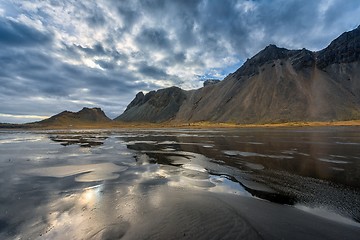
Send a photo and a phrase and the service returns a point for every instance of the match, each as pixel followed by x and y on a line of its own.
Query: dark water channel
pixel 195 184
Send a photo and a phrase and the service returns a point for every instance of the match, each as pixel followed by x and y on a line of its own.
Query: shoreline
pixel 188 184
pixel 193 125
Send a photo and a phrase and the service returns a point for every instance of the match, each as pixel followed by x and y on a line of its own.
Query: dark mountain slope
pixel 276 85
pixel 155 106
pixel 344 49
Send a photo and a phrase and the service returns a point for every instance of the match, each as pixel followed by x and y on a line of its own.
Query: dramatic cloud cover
pixel 67 54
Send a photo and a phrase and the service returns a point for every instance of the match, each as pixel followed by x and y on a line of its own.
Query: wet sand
pixel 161 184
pixel 175 213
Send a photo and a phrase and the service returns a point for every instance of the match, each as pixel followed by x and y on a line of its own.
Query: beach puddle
pixel 253 154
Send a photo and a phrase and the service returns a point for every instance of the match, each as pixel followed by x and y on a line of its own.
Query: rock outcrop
pixel 344 49
pixel 155 106
pixel 276 85
pixel 210 82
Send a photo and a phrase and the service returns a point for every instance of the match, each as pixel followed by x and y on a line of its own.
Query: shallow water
pixel 192 184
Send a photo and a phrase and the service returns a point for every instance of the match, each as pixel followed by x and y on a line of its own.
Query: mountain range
pixel 276 85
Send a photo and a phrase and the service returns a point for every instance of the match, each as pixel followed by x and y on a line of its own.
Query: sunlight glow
pixel 91 195
pixel 23 116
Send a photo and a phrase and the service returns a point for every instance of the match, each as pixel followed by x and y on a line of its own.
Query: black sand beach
pixel 299 183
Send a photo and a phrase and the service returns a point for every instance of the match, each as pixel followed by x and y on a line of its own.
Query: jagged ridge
pixel 155 106
pixel 275 85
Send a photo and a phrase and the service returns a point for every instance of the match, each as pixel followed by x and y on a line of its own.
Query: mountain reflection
pixel 318 154
pixel 202 182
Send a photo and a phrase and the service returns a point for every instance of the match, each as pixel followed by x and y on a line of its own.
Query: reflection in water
pixel 253 154
pixel 87 172
pixel 285 166
pixel 180 183
pixel 91 195
pixel 82 140
pixel 332 161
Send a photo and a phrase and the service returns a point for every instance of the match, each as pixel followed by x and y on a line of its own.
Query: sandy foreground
pixel 223 216
pixel 57 186
pixel 163 212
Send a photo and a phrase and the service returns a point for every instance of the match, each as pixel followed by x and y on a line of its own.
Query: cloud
pixel 11 117
pixel 154 39
pixel 58 55
pixel 95 18
pixel 96 50
pixel 13 33
pixel 152 71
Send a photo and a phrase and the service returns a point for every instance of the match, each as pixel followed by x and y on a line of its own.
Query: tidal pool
pixel 261 183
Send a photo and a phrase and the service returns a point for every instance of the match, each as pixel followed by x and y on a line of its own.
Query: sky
pixel 61 55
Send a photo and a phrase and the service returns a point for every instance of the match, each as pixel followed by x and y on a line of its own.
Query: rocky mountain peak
pixel 208 82
pixel 161 97
pixel 91 114
pixel 271 52
pixel 155 106
pixel 86 109
pixel 302 59
pixel 138 100
pixel 344 49
pixel 267 55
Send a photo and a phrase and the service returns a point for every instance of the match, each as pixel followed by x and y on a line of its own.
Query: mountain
pixel 276 85
pixel 67 118
pixel 155 106
pixel 208 82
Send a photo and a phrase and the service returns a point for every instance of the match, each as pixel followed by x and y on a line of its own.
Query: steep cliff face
pixel 276 85
pixel 155 106
pixel 209 82
pixel 344 49
pixel 341 61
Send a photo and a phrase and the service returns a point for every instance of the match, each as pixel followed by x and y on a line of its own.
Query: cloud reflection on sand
pixel 135 188
pixel 86 172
